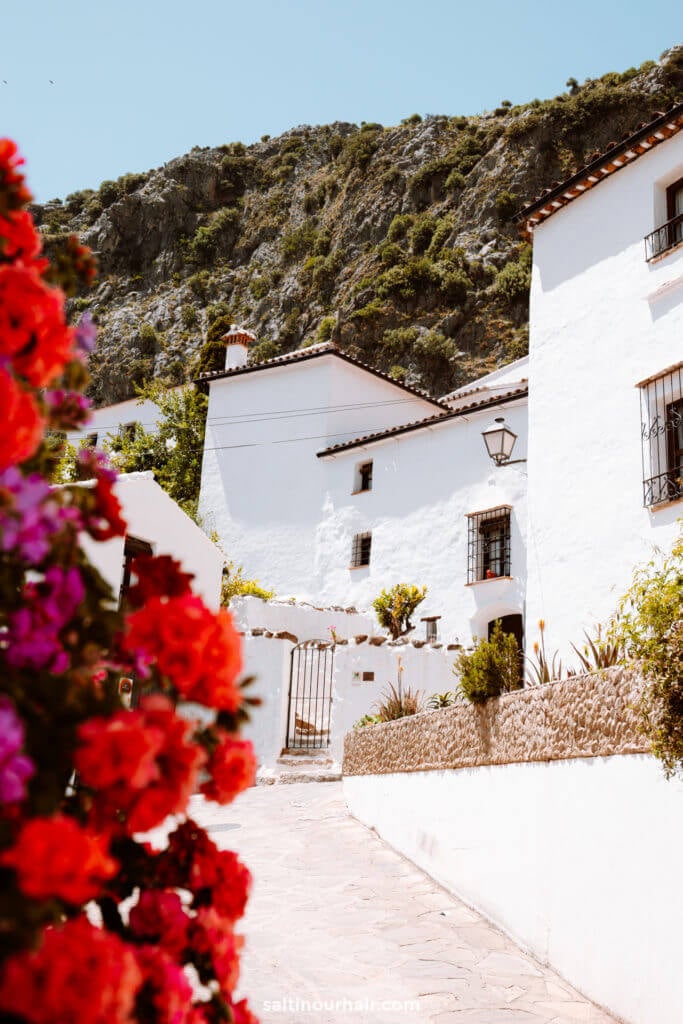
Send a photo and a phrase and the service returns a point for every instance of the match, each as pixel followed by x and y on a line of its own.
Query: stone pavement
pixel 342 930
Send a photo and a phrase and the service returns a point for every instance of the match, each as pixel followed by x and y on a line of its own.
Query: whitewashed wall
pixel 303 621
pixel 262 486
pixel 154 517
pixel 579 861
pixel 602 319
pixel 427 670
pixel 424 484
pixel 110 418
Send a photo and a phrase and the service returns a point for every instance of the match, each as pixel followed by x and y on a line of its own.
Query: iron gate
pixel 310 695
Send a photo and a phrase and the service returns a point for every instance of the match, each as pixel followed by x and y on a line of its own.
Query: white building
pixel 328 481
pixel 606 351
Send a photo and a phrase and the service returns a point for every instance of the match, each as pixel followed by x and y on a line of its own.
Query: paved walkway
pixel 342 929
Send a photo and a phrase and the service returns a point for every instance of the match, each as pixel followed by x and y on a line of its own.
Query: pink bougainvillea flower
pixel 15 768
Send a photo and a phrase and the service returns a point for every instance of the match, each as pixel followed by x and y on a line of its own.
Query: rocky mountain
pixel 398 243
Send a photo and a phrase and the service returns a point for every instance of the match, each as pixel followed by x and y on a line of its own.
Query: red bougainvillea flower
pixel 166 993
pixel 103 519
pixel 143 765
pixel 198 650
pixel 157 576
pixel 33 332
pixel 79 974
pixel 215 877
pixel 55 857
pixel 19 240
pixel 158 917
pixel 241 1014
pixel 13 191
pixel 232 767
pixel 22 426
pixel 215 949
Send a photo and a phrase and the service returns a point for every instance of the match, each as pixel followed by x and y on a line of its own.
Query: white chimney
pixel 237 342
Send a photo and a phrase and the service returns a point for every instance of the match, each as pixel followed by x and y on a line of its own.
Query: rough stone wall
pixel 586 716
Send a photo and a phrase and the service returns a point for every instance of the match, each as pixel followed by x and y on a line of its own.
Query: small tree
pixel 395 607
pixel 492 668
pixel 649 627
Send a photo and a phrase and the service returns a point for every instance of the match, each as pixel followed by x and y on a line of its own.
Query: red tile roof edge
pixel 300 355
pixel 430 421
pixel 601 165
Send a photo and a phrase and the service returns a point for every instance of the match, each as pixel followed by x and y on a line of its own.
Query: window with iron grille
pixel 488 544
pixel 360 551
pixel 90 440
pixel 661 429
pixel 669 234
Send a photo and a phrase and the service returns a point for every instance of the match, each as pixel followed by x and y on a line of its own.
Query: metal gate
pixel 310 695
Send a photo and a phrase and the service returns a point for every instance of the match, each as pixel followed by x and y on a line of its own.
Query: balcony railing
pixel 664 238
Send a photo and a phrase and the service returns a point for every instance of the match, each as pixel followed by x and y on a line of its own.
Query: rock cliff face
pixel 398 243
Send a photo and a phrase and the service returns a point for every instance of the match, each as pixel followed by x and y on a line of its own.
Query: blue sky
pixel 137 82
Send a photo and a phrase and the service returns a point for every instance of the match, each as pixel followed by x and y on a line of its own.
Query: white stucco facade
pixel 602 320
pixel 154 517
pixel 263 489
pixel 108 420
pixel 425 484
pixel 577 860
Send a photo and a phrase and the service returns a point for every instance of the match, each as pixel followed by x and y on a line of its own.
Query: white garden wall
pixel 578 860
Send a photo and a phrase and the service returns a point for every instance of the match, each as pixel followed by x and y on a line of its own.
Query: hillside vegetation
pixel 398 243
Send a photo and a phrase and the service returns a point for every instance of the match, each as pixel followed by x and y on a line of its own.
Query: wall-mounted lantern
pixel 499 441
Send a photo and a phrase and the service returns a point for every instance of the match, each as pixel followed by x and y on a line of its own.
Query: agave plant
pixel 398 705
pixel 441 700
pixel 542 669
pixel 598 652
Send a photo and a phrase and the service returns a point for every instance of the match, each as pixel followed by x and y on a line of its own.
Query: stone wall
pixel 586 716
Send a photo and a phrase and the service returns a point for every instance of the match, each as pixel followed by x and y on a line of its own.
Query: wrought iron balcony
pixel 664 238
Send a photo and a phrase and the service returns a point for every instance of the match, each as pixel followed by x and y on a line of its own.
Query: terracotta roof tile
pixel 313 351
pixel 600 166
pixel 405 428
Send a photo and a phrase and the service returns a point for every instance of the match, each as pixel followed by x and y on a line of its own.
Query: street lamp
pixel 499 441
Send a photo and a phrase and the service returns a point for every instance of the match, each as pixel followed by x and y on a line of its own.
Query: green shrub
pixel 408 280
pixel 400 226
pixel 368 312
pixel 392 179
pixel 397 343
pixel 492 668
pixel 219 310
pixel 649 628
pixel 360 147
pixel 507 204
pixel 149 342
pixel 390 254
pixel 435 355
pixel 421 234
pixel 325 328
pixel 236 585
pixel 413 119
pixel 299 242
pixel 367 720
pixel 189 317
pixel 263 351
pixel 260 286
pixel 444 227
pixel 395 607
pixel 455 180
pixel 199 283
pixel 218 234
pixel 454 284
pixel 398 373
pixel 514 280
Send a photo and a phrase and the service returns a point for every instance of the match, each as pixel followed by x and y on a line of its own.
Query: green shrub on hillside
pixel 299 242
pixel 514 280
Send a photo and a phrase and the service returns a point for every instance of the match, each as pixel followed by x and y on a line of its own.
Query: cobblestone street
pixel 342 929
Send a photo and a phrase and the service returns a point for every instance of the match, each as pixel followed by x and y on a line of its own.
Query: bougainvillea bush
pixel 97 925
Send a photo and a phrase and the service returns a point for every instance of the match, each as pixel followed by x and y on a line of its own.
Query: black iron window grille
pixel 360 551
pixel 488 544
pixel 661 429
pixel 365 477
pixel 90 440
